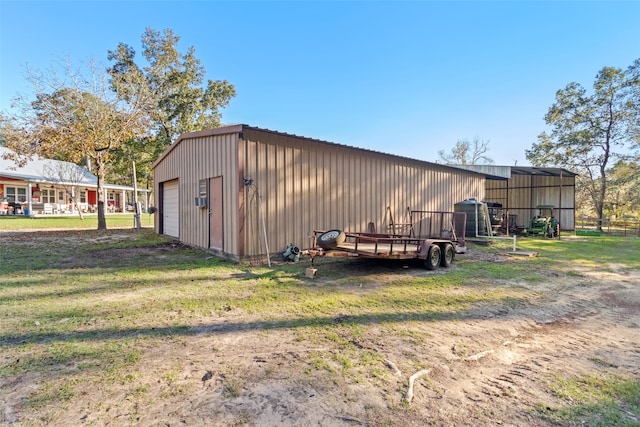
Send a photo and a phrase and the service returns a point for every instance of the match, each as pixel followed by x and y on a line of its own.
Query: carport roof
pixel 506 172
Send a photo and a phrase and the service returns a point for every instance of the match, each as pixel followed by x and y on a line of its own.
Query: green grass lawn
pixel 90 221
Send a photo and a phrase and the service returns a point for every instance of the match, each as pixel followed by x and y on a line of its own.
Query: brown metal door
pixel 215 214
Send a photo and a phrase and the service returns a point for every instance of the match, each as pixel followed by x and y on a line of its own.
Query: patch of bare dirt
pixel 489 367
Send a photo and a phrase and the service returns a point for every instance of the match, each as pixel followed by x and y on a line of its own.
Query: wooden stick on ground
pixel 479 355
pixel 409 396
pixel 393 366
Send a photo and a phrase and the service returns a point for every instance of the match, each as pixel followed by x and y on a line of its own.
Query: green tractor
pixel 544 223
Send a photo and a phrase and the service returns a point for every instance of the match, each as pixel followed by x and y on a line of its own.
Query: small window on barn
pixel 201 200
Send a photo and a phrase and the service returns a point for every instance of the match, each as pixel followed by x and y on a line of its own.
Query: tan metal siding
pixel 525 192
pixel 307 185
pixel 203 157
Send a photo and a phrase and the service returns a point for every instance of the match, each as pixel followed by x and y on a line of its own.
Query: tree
pixel 174 99
pixel 69 176
pixel 75 116
pixel 623 197
pixel 467 152
pixel 4 123
pixel 588 132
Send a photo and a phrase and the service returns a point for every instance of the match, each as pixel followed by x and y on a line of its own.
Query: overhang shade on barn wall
pixel 521 188
pixel 522 193
pixel 284 187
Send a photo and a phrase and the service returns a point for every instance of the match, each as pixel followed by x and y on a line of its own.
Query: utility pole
pixel 136 205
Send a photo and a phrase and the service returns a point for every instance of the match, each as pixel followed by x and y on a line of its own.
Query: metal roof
pixel 239 128
pixel 531 170
pixel 43 170
pixel 505 172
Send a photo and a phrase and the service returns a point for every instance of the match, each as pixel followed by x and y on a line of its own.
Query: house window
pixel 61 197
pixel 16 194
pixel 48 196
pixel 83 197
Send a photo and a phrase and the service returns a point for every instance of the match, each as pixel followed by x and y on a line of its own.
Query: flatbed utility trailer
pixel 434 237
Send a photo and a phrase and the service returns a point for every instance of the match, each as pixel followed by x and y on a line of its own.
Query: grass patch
pixel 90 221
pixel 232 388
pixel 596 400
pixel 588 251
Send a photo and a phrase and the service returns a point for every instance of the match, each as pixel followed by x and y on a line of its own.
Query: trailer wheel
pixel 448 253
pixel 330 239
pixel 433 257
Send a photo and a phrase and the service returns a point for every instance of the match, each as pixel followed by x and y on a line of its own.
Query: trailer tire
pixel 433 258
pixel 448 253
pixel 330 239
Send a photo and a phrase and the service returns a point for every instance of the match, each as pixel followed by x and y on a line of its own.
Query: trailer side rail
pixel 439 225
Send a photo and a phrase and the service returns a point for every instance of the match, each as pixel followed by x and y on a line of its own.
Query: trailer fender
pixel 423 250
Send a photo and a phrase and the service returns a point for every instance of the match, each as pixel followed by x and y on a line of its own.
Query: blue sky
pixel 406 78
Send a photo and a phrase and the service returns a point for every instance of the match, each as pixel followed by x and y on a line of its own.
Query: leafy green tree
pixel 589 131
pixel 623 197
pixel 170 88
pixel 74 116
pixel 467 152
pixel 7 127
pixel 4 123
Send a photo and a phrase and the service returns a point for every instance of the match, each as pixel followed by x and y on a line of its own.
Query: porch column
pixel 29 201
pixel 123 202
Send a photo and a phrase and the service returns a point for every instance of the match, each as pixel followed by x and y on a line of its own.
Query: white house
pixel 45 186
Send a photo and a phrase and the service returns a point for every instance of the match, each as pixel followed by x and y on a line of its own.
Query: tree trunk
pixel 599 214
pixel 601 195
pixel 77 205
pixel 102 222
pixel 74 201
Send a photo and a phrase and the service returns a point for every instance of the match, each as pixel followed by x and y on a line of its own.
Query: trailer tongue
pixel 434 237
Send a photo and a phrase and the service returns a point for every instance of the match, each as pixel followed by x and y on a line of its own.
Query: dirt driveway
pixel 492 366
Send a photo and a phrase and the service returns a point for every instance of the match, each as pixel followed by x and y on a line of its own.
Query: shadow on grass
pixel 334 277
pixel 7 339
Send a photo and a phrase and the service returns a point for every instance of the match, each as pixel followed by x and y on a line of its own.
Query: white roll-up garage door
pixel 170 211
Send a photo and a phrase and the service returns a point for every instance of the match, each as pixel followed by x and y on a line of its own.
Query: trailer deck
pixel 378 246
pixel 434 237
